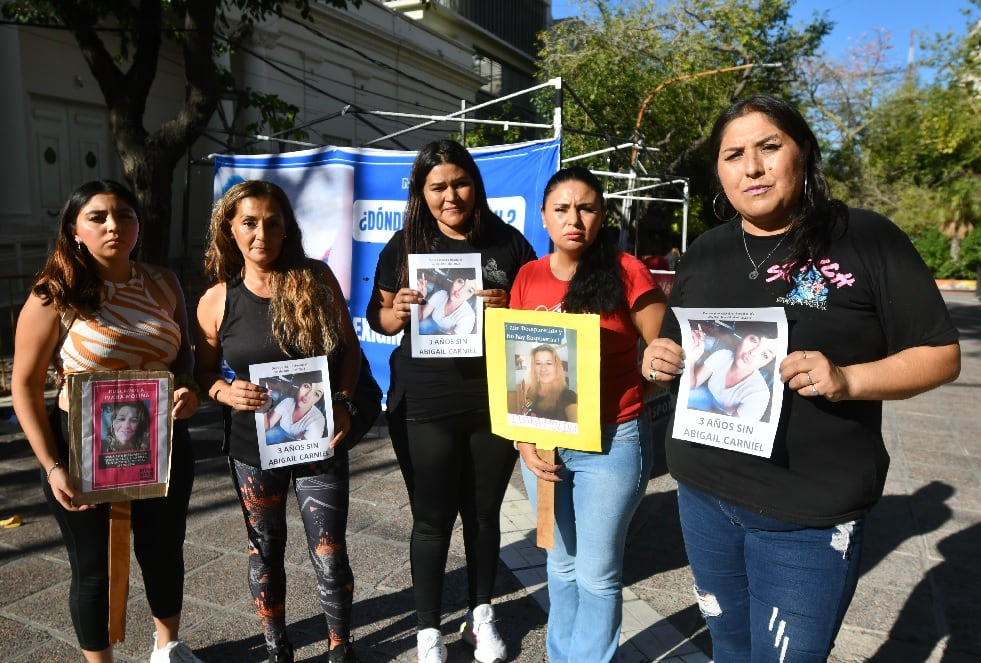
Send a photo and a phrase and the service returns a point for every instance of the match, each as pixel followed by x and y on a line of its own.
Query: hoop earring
pixel 717 213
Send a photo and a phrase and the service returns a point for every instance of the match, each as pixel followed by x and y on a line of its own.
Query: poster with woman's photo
pixel 543 379
pixel 449 323
pixel 297 422
pixel 542 389
pixel 730 394
pixel 120 434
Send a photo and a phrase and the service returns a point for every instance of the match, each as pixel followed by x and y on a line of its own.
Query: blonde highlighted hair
pixel 303 311
pixel 536 393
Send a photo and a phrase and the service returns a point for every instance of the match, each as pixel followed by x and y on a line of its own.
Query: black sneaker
pixel 281 654
pixel 343 653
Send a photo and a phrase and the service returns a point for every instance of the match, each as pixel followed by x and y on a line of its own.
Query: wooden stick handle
pixel 546 506
pixel 119 546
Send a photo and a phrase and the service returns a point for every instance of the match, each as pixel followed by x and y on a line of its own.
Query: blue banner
pixel 349 202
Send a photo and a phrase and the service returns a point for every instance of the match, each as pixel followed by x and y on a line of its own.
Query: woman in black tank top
pixel 271 303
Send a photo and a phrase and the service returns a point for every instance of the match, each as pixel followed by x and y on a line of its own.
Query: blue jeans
pixel 594 503
pixel 769 590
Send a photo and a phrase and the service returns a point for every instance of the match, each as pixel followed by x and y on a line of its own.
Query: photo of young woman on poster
pixel 544 390
pixel 448 309
pixel 734 370
pixel 298 415
pixel 125 426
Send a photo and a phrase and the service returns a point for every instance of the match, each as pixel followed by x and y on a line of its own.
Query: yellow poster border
pixel 587 370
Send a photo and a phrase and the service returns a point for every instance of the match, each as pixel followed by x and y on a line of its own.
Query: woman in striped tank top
pixel 93 308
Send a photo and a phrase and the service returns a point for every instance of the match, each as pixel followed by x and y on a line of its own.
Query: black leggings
pixel 322 492
pixel 158 526
pixel 458 466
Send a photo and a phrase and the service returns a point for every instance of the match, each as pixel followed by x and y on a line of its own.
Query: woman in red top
pixel 596 494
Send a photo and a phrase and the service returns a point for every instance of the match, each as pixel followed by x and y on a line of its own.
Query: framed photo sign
pixel 543 373
pixel 120 432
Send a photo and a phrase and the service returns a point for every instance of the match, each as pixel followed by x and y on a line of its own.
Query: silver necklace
pixel 753 275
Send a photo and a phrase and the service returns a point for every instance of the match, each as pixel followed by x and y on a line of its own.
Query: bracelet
pixel 341 397
pixel 185 380
pixel 52 469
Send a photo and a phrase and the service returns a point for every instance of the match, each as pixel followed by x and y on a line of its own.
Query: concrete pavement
pixel 919 599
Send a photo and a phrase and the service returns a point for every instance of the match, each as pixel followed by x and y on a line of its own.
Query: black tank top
pixel 246 338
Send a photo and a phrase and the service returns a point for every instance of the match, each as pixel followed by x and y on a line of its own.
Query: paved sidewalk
pixel 919 598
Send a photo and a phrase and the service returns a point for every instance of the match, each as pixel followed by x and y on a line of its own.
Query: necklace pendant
pixel 753 275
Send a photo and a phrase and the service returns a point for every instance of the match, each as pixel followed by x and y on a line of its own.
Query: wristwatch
pixel 341 397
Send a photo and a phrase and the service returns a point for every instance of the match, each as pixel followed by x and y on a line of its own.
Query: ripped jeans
pixel 769 590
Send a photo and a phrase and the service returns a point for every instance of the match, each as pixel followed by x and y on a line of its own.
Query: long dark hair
pixel 70 277
pixel 420 231
pixel 303 311
pixel 597 285
pixel 817 216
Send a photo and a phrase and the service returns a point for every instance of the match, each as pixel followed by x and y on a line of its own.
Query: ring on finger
pixel 652 376
pixel 814 391
pixel 805 353
pixel 810 381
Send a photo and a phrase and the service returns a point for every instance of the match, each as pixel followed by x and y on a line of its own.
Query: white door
pixel 71 146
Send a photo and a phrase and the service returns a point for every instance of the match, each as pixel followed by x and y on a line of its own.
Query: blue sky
pixel 854 17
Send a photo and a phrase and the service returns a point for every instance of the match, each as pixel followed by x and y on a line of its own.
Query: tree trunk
pixel 955 247
pixel 149 173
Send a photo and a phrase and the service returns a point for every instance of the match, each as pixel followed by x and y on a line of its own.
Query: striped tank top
pixel 134 328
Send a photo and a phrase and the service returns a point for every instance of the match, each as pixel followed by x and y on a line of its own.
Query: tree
pixel 125 68
pixel 659 71
pixel 841 97
pixel 922 147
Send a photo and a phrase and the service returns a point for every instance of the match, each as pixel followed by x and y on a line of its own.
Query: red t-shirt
pixel 621 397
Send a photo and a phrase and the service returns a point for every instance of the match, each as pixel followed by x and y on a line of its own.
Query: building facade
pixel 337 70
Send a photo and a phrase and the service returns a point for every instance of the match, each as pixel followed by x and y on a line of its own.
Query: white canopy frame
pixel 630 187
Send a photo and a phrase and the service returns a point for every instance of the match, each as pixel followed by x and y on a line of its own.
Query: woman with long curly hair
pixel 438 414
pixel 95 308
pixel 270 303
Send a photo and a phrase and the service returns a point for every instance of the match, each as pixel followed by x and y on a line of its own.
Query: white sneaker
pixel 429 646
pixel 480 633
pixel 175 651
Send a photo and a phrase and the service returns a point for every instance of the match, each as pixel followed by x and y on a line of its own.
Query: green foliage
pixel 970 256
pixel 660 71
pixel 934 248
pixel 908 149
pixel 274 113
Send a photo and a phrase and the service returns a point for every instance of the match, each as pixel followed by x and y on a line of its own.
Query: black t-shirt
pixel 438 387
pixel 872 297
